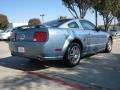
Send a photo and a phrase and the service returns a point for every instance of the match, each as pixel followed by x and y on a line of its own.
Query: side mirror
pixel 97 29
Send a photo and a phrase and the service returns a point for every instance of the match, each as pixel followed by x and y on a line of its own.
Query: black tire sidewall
pixel 107 50
pixel 67 61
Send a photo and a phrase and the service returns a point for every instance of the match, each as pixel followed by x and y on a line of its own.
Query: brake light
pixel 13 37
pixel 40 36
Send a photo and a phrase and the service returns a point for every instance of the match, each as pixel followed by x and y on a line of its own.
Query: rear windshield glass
pixel 55 23
pixel 27 27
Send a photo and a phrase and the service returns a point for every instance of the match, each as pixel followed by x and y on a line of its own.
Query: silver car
pixel 67 40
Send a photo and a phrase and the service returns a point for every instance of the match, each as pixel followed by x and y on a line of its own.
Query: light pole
pixel 42 16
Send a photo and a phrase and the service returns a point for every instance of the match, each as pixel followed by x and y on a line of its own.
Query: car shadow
pixel 19 63
pixel 93 70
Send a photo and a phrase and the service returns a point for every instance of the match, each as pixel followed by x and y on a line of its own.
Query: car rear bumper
pixel 36 57
pixel 33 50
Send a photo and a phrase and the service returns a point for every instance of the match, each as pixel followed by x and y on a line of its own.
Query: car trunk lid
pixel 28 33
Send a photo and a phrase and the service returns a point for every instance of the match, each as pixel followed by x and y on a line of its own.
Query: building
pixel 13 25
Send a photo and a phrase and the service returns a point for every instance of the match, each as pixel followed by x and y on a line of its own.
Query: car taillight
pixel 40 36
pixel 13 37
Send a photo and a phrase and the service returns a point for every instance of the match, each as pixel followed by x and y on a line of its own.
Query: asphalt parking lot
pixel 95 72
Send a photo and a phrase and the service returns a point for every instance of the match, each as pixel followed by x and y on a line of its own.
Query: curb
pixel 59 81
pixel 73 85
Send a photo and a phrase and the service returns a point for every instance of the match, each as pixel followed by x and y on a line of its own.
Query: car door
pixel 92 36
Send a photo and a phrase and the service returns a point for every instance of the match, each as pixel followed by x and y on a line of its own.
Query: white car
pixel 5 35
pixel 1 31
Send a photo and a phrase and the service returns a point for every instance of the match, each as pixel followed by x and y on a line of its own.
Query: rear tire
pixel 109 46
pixel 73 55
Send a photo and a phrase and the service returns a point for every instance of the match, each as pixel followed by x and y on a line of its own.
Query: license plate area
pixel 21 49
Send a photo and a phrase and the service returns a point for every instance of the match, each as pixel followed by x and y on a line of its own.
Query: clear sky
pixel 22 10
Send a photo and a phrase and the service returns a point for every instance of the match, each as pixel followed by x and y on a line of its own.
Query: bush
pixel 62 17
pixel 34 21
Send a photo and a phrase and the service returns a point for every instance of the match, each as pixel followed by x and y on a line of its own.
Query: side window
pixel 87 25
pixel 73 25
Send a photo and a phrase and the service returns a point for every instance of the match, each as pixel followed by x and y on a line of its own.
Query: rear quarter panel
pixel 57 38
pixel 61 38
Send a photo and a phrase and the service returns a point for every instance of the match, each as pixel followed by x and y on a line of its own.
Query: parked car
pixel 114 32
pixel 67 40
pixel 1 31
pixel 5 35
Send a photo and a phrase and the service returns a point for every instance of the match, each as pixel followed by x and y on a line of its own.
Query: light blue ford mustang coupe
pixel 67 40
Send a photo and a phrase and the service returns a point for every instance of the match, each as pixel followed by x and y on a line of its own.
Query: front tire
pixel 73 55
pixel 109 46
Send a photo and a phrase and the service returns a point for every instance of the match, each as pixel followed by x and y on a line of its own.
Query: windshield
pixel 55 23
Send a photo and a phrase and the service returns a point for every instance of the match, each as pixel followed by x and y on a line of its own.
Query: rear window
pixel 55 23
pixel 27 27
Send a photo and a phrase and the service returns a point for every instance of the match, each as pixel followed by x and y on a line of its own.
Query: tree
pixel 107 18
pixel 62 17
pixel 3 22
pixel 115 9
pixel 77 8
pixel 103 7
pixel 34 21
pixel 106 13
pixel 118 18
pixel 93 4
